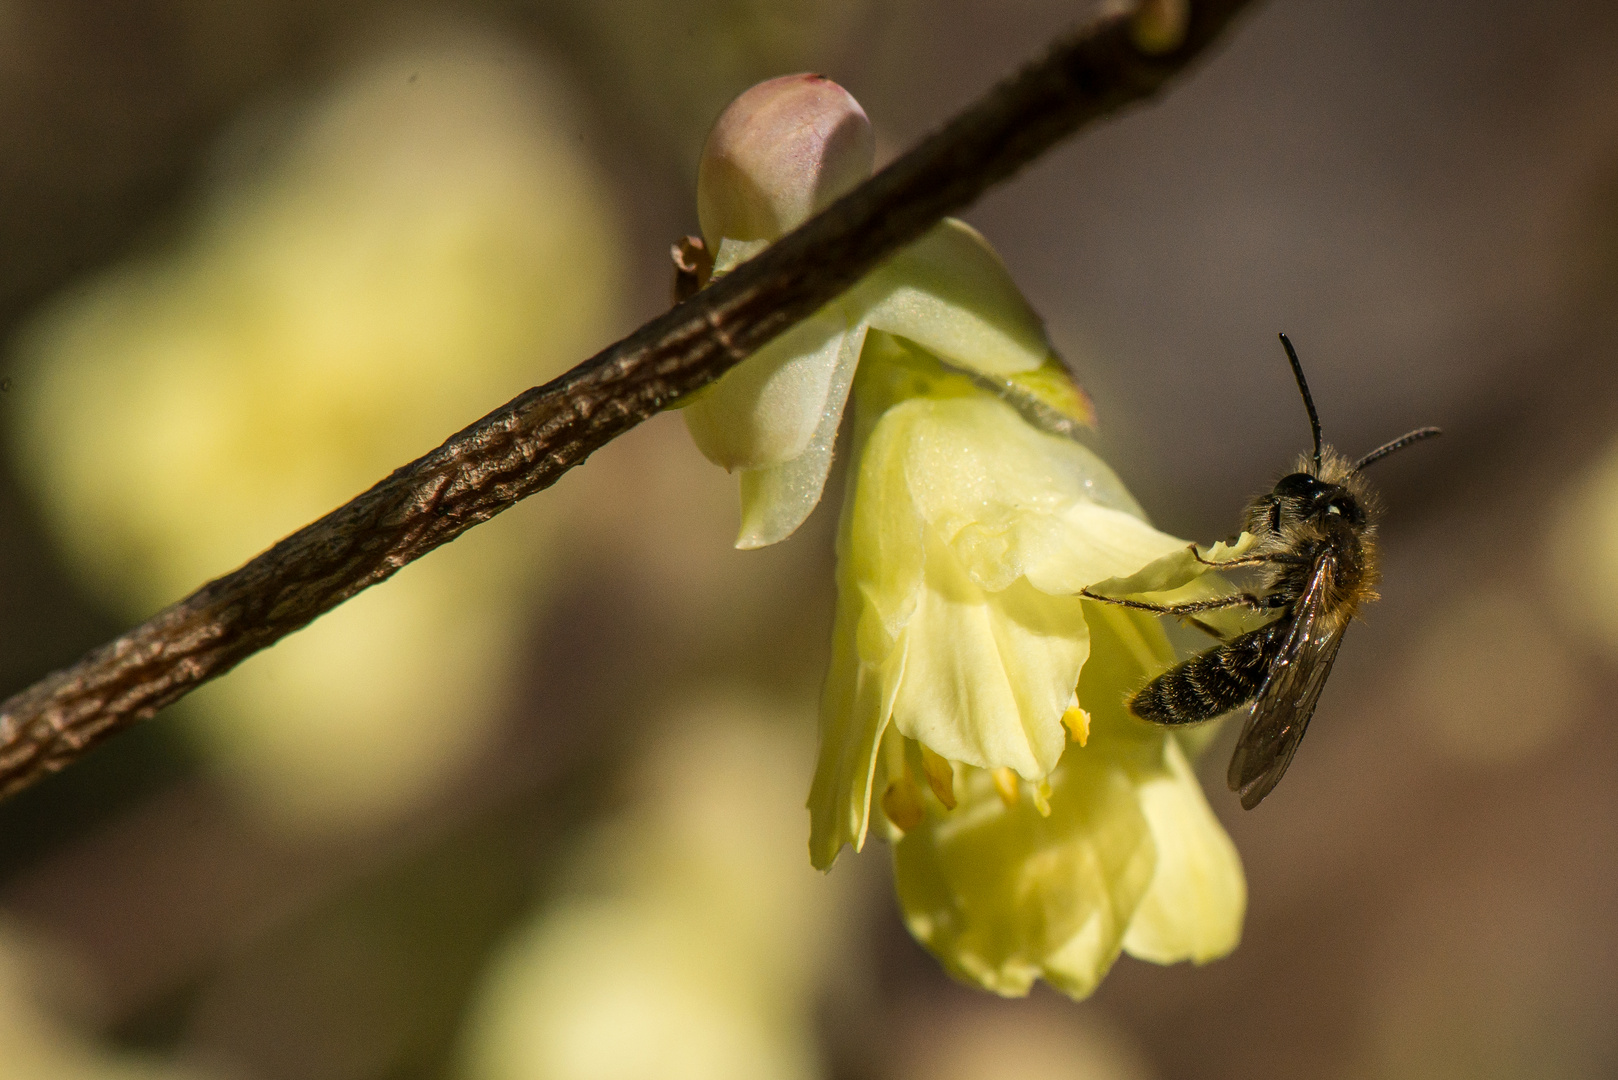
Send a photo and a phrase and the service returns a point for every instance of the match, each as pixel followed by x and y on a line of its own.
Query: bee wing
pixel 1280 714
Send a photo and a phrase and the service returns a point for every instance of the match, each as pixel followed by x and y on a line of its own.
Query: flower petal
pixel 1004 895
pixel 777 499
pixel 950 293
pixel 855 707
pixel 1198 896
pixel 766 410
pixel 988 676
pixel 1084 544
pixel 866 668
pixel 1017 502
pixel 1174 569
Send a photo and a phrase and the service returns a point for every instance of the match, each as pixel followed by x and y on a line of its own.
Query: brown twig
pixel 529 443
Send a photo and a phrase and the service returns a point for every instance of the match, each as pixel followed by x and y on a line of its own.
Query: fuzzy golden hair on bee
pixel 1316 561
pixel 1338 515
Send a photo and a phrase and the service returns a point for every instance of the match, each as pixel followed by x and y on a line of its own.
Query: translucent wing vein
pixel 1280 713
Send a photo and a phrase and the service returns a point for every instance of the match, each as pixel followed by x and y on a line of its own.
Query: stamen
pixel 1042 798
pixel 1007 785
pixel 1077 722
pixel 940 776
pixel 902 803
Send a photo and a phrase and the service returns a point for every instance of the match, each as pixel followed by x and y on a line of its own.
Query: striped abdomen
pixel 1212 683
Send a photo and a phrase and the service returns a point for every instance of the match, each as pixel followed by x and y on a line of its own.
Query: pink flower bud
pixel 782 151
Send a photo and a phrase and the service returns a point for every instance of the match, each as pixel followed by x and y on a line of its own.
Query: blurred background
pixel 533 809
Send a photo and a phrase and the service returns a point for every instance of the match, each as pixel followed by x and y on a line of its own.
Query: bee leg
pixel 1213 632
pixel 1257 603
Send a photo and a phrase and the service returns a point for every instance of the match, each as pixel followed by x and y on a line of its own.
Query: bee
pixel 1317 559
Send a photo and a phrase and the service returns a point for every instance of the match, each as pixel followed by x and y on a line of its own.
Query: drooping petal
pixel 1015 502
pixel 878 565
pixel 766 411
pixel 1198 896
pixel 776 499
pixel 988 676
pixel 853 717
pixel 1086 540
pixel 1005 895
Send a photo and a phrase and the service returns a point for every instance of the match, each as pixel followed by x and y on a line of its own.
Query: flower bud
pixel 783 150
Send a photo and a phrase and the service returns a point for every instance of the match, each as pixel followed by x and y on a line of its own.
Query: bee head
pixel 1326 486
pixel 1302 497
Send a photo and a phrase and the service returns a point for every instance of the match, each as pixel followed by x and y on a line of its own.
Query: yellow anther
pixel 1007 784
pixel 902 803
pixel 940 776
pixel 1077 722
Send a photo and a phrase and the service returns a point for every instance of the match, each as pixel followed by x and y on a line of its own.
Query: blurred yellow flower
pixel 1581 546
pixel 699 940
pixel 421 243
pixel 975 1039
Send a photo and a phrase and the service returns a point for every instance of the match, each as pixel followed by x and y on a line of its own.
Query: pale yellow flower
pixel 1120 853
pixel 965 537
pixel 1024 846
pixel 426 239
pixel 975 704
pixel 692 941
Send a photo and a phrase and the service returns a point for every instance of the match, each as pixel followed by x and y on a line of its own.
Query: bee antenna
pixel 1397 444
pixel 1308 402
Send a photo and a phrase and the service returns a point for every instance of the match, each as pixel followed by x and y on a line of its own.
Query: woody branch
pixel 528 443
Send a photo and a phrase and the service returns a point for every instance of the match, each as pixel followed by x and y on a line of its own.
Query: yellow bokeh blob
pixel 416 245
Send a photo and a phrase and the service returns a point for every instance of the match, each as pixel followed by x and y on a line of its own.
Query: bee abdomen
pixel 1214 682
